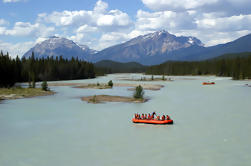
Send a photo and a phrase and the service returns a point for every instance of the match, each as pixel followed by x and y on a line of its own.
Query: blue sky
pixel 102 23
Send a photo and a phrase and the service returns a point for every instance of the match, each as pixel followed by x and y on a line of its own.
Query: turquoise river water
pixel 211 127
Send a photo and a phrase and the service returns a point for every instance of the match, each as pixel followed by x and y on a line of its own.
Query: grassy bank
pixel 17 93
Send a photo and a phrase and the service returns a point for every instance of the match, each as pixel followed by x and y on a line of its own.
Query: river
pixel 211 127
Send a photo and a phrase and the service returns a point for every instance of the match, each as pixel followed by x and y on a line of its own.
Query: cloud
pixel 174 5
pixel 164 20
pixel 229 7
pixel 112 38
pixel 86 28
pixel 15 49
pixel 233 23
pixel 27 29
pixel 3 22
pixel 99 17
pixel 12 1
pixel 100 7
pixel 213 22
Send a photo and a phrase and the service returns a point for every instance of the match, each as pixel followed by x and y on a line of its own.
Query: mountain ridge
pixel 150 49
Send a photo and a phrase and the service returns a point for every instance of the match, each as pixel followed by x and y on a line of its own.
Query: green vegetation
pixel 44 86
pixel 94 100
pixel 32 70
pixel 110 83
pixel 163 77
pixel 18 92
pixel 235 67
pixel 139 92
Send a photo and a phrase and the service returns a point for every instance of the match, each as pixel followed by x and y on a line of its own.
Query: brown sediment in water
pixel 107 98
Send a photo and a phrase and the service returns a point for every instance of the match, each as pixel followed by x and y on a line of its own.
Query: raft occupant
pixel 167 117
pixel 153 115
pixel 163 117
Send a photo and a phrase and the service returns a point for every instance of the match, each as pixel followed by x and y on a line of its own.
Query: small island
pixel 107 98
pixel 109 85
pixel 137 97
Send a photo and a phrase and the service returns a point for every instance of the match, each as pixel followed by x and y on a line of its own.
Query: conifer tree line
pixel 238 68
pixel 49 69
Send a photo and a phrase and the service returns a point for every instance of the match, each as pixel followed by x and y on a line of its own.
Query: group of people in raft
pixel 151 116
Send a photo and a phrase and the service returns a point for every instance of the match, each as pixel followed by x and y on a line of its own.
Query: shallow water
pixel 212 126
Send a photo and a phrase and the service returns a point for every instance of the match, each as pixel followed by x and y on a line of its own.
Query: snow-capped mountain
pixel 87 49
pixel 148 49
pixel 57 46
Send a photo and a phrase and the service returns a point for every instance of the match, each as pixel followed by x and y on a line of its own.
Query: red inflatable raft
pixel 208 83
pixel 152 121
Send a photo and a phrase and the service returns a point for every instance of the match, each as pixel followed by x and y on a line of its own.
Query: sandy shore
pixel 94 86
pixel 107 98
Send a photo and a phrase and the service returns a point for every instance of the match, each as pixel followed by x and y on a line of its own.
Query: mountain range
pixel 149 49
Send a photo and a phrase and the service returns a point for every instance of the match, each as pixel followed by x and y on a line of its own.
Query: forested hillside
pixel 236 66
pixel 27 70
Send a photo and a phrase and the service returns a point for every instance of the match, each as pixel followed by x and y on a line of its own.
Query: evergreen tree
pixel 139 92
pixel 110 83
pixel 44 86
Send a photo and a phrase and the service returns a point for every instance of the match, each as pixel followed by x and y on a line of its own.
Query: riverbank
pixel 18 93
pixel 106 98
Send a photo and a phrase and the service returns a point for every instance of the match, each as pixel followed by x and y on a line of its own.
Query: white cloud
pixel 100 7
pixel 109 39
pixel 11 1
pixel 27 29
pixel 98 17
pixel 164 20
pixel 175 5
pixel 86 28
pixel 213 22
pixel 229 7
pixel 3 22
pixel 233 23
pixel 114 18
pixel 16 49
